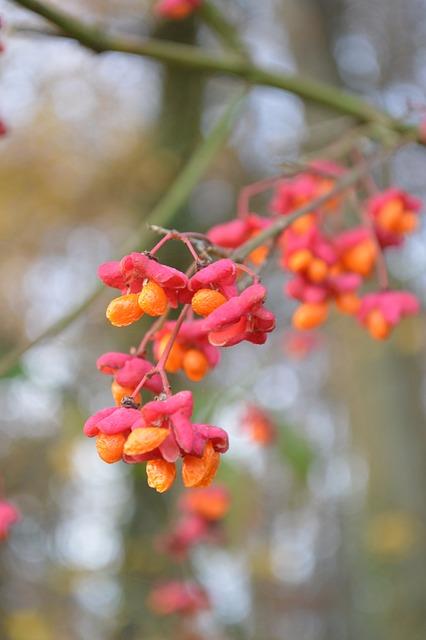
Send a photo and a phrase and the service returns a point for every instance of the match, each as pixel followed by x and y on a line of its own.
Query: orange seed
pixel 205 301
pixel 153 299
pixel 299 260
pixel 145 439
pixel 124 310
pixel 161 474
pixel 119 392
pixel 110 447
pixel 199 472
pixel 310 315
pixel 174 360
pixel 377 325
pixel 195 364
pixel 347 303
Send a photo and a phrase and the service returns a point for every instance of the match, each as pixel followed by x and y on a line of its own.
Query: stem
pixel 213 17
pixel 196 59
pixel 161 364
pixel 246 193
pixel 156 326
pixel 191 249
pixel 162 214
pixel 160 243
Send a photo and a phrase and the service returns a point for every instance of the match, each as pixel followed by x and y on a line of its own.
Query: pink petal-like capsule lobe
pixel 132 372
pixel 220 275
pixel 230 234
pixel 216 435
pixel 231 312
pixel 91 428
pixel 141 265
pixel 111 274
pixel 108 363
pixel 121 420
pixel 178 410
pixel 111 420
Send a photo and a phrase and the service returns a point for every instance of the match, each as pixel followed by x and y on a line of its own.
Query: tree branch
pixel 196 59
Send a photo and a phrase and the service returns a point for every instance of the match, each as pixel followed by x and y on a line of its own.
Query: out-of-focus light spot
pixel 408 261
pixel 67 106
pixel 98 594
pixel 340 478
pixel 226 578
pixel 399 97
pixel 35 406
pixel 392 534
pixel 277 387
pixel 292 546
pixel 50 365
pixel 87 542
pixel 357 60
pixel 27 623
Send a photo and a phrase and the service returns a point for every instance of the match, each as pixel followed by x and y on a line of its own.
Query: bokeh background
pixel 326 537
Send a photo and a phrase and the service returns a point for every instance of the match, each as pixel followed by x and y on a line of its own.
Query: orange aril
pixel 390 214
pixel 361 257
pixel 310 315
pixel 325 185
pixel 152 299
pixel 124 310
pixel 119 392
pixel 347 302
pixel 199 472
pixel 377 325
pixel 259 255
pixel 205 301
pixel 299 260
pixel 408 222
pixel 161 474
pixel 195 364
pixel 175 357
pixel 110 447
pixel 317 271
pixel 304 223
pixel 145 439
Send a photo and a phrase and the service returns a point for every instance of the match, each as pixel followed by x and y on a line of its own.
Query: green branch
pixel 162 213
pixel 196 59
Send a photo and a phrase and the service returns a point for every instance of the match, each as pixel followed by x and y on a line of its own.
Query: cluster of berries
pixel 214 314
pixel 329 262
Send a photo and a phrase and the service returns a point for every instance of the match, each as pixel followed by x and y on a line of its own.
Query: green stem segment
pixel 213 17
pixel 162 213
pixel 196 59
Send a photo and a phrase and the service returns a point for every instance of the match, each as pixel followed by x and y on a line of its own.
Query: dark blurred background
pixel 326 538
